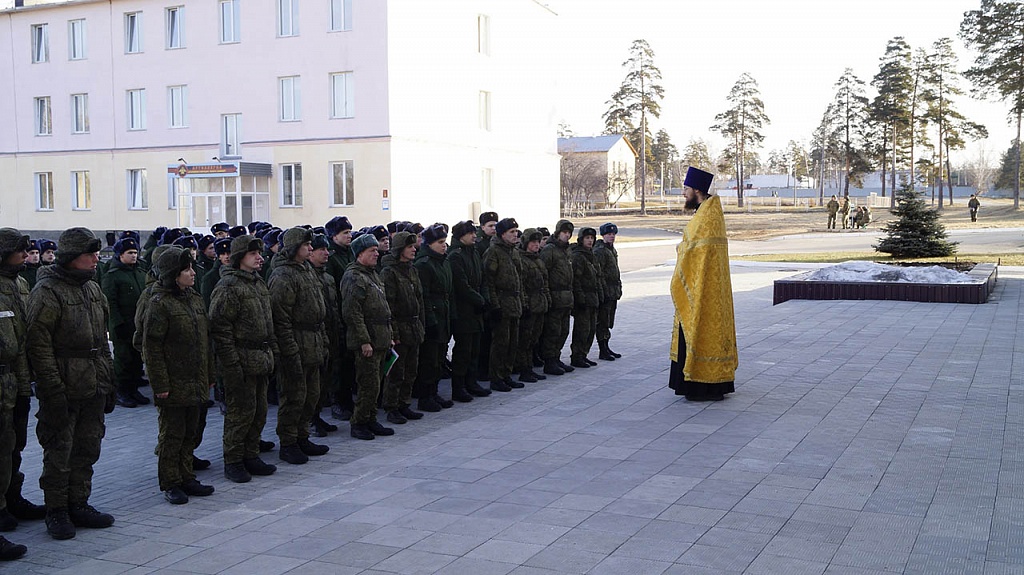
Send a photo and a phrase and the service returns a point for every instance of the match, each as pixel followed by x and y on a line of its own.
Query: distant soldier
pixel 608 261
pixel 536 299
pixel 47 252
pixel 31 264
pixel 339 231
pixel 972 206
pixel 332 324
pixel 220 230
pixel 405 300
pixel 467 308
pixel 844 212
pixel 502 286
pixel 123 285
pixel 555 255
pixel 222 250
pixel 484 236
pixel 435 275
pixel 588 292
pixel 205 260
pixel 833 208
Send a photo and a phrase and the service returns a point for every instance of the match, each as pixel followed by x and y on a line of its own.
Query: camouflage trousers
pixel 530 328
pixel 606 320
pixel 398 390
pixel 71 446
pixel 175 444
pixel 368 376
pixel 504 346
pixel 246 401
pixel 20 423
pixel 584 327
pixel 298 395
pixel 465 353
pixel 556 330
pixel 127 365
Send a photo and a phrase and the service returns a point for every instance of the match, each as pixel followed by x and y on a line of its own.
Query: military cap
pixel 171 263
pixel 46 245
pixel 130 234
pixel 272 236
pixel 295 237
pixel 609 228
pixel 506 225
pixel 222 246
pixel 154 268
pixel 124 244
pixel 379 232
pixel 414 227
pixel 698 179
pixel 462 228
pixel 261 227
pixel 170 235
pixel 544 231
pixel 319 230
pixel 363 243
pixel 186 232
pixel 488 217
pixel 12 240
pixel 33 246
pixel 336 225
pixel 401 241
pixel 242 245
pixel 358 233
pixel 307 227
pixel 393 227
pixel 320 242
pixel 251 227
pixel 158 233
pixel 584 232
pixel 186 242
pixel 529 235
pixel 434 233
pixel 219 227
pixel 74 242
pixel 564 226
pixel 237 231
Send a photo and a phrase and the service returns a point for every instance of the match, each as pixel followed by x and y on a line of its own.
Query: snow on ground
pixel 873 272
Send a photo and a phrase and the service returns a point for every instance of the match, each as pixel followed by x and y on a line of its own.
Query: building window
pixel 40 43
pixel 44 191
pixel 133 32
pixel 174 189
pixel 76 39
pixel 43 116
pixel 291 185
pixel 483 34
pixel 177 106
pixel 138 198
pixel 342 95
pixel 136 108
pixel 287 17
pixel 341 15
pixel 485 111
pixel 486 187
pixel 175 19
pixel 229 128
pixel 342 184
pixel 79 113
pixel 81 193
pixel 230 23
pixel 291 99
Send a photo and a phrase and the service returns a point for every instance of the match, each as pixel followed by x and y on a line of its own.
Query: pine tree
pixel 917 231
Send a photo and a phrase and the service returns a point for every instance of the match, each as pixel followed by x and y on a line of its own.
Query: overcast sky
pixel 795 49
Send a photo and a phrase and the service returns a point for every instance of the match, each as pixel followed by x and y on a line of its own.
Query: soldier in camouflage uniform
pixel 484 236
pixel 503 290
pixel 179 356
pixel 367 318
pixel 123 284
pixel 67 333
pixel 588 292
pixel 332 323
pixel 608 262
pixel 296 296
pixel 436 279
pixel 467 308
pixel 339 231
pixel 536 300
pixel 555 255
pixel 405 300
pixel 242 327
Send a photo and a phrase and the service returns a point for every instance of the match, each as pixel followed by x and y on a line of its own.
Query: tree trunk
pixel 941 135
pixel 949 176
pixel 892 197
pixel 1016 181
pixel 885 156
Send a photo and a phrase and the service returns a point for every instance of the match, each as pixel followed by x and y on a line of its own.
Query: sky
pixel 795 49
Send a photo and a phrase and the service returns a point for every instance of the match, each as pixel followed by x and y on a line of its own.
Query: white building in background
pixel 130 114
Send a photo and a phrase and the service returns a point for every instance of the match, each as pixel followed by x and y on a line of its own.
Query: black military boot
pixel 537 361
pixel 59 525
pixel 24 509
pixel 199 464
pixel 499 385
pixel 361 431
pixel 606 354
pixel 256 466
pixel 310 448
pixel 613 354
pixel 513 383
pixel 377 429
pixel 11 551
pixel 292 454
pixel 552 367
pixel 7 521
pixel 126 400
pixel 527 376
pixel 589 361
pixel 474 388
pixel 444 403
pixel 396 417
pixel 237 472
pixel 195 489
pixel 566 368
pixel 341 412
pixel 428 404
pixel 139 398
pixel 579 362
pixel 321 423
pixel 459 392
pixel 409 414
pixel 176 496
pixel 85 515
pixel 266 446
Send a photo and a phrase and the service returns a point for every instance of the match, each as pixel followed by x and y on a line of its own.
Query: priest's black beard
pixel 692 203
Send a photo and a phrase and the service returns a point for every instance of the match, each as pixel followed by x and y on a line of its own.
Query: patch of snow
pixel 873 272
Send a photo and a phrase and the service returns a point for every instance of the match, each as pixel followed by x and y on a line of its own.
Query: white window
pixel 81 193
pixel 342 184
pixel 342 95
pixel 486 183
pixel 76 39
pixel 341 15
pixel 138 198
pixel 229 129
pixel 177 106
pixel 43 116
pixel 287 17
pixel 136 109
pixel 483 34
pixel 174 189
pixel 290 94
pixel 291 185
pixel 485 111
pixel 175 21
pixel 79 113
pixel 44 191
pixel 132 32
pixel 230 24
pixel 40 43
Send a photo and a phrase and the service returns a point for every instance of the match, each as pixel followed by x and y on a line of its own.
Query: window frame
pixel 80 113
pixel 236 24
pixel 136 183
pixel 38 120
pixel 484 103
pixel 230 132
pixel 295 191
pixel 341 16
pixel 182 90
pixel 135 109
pixel 348 184
pixel 289 95
pixel 37 187
pixel 77 40
pixel 287 18
pixel 76 192
pixel 349 95
pixel 174 37
pixel 40 43
pixel 483 34
pixel 133 24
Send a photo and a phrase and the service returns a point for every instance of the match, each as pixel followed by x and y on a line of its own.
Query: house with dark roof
pixel 597 170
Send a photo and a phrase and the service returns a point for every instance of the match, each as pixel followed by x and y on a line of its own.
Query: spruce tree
pixel 917 231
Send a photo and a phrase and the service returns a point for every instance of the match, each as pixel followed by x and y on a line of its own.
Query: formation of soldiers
pixel 308 318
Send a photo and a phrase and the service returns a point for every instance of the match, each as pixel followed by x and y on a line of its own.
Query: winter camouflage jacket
pixel 467 295
pixel 179 357
pixel 587 287
pixel 242 324
pixel 123 286
pixel 555 255
pixel 405 299
pixel 296 296
pixel 13 300
pixel 534 278
pixel 364 308
pixel 608 262
pixel 502 284
pixel 436 279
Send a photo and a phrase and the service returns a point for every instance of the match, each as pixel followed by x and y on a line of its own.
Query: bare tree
pixel 982 170
pixel 583 179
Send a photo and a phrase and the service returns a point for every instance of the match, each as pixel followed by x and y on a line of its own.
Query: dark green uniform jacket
pixel 242 324
pixel 405 299
pixel 123 286
pixel 203 267
pixel 209 282
pixel 587 285
pixel 339 260
pixel 332 321
pixel 534 278
pixel 13 302
pixel 555 255
pixel 436 279
pixel 296 296
pixel 468 299
pixel 608 262
pixel 67 333
pixel 502 284
pixel 364 308
pixel 29 273
pixel 483 242
pixel 179 358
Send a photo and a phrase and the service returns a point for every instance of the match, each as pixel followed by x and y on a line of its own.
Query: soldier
pixel 405 300
pixel 844 211
pixel 242 327
pixel 205 260
pixel 555 255
pixel 502 286
pixel 180 361
pixel 587 294
pixel 47 252
pixel 367 318
pixel 436 278
pixel 123 284
pixel 608 262
pixel 299 313
pixel 220 230
pixel 222 249
pixel 67 331
pixel 484 235
pixel 332 322
pixel 973 205
pixel 339 231
pixel 833 208
pixel 271 247
pixel 467 308
pixel 151 243
pixel 237 231
pixel 536 299
pixel 15 388
pixel 31 264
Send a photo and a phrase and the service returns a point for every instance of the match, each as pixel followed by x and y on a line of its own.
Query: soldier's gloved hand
pixel 111 401
pixel 495 314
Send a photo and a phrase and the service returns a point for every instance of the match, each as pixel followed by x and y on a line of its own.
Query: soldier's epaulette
pixel 157 297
